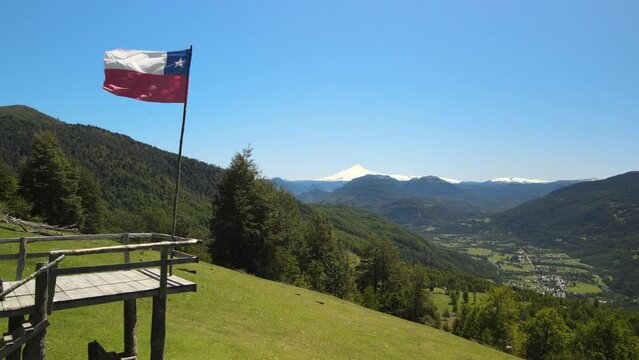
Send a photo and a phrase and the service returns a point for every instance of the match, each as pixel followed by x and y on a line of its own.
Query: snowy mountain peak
pixel 518 180
pixel 357 171
pixel 449 180
pixel 349 174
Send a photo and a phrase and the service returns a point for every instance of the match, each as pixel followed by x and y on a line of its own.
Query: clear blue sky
pixel 464 89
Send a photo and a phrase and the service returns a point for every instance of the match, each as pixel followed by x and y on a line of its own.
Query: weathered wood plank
pixel 122 248
pixel 158 316
pixel 80 290
pixel 22 258
pixel 78 237
pixel 35 349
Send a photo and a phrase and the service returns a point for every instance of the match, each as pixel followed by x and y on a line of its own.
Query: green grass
pixel 478 251
pixel 442 301
pixel 583 288
pixel 238 316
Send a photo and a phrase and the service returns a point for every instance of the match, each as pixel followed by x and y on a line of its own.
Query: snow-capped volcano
pixel 349 174
pixel 518 180
pixel 356 171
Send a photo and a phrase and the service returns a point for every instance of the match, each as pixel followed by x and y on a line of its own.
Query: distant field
pixel 239 316
pixel 478 251
pixel 583 288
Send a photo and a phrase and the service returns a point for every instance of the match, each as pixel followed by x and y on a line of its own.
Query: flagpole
pixel 179 167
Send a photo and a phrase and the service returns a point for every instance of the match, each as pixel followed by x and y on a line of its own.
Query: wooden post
pixel 130 314
pixel 15 322
pixel 51 285
pixel 35 349
pixel 158 321
pixel 22 258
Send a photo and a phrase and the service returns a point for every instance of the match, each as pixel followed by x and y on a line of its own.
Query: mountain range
pixel 357 186
pixel 137 182
pixel 598 221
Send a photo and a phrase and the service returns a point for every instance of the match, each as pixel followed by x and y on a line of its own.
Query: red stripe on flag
pixel 146 87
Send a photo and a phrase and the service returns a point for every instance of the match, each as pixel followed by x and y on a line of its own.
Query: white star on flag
pixel 179 63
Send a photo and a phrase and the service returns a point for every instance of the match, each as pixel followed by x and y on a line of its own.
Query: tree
pixel 546 335
pixel 92 205
pixel 419 306
pixel 465 296
pixel 325 259
pixel 380 259
pixel 240 218
pixel 8 184
pixel 454 295
pixel 493 323
pixel 9 200
pixel 382 270
pixel 50 182
pixel 498 318
pixel 605 337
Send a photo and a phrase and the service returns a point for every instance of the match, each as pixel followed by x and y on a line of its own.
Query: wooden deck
pixel 92 289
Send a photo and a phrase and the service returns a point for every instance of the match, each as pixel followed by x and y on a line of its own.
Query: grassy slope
pixel 238 316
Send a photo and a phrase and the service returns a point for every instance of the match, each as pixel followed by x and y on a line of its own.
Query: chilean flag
pixel 155 76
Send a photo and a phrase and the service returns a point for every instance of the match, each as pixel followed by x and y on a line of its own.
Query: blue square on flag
pixel 177 62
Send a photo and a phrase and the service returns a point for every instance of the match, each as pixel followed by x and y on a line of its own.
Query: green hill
pixel 238 316
pixel 597 221
pixel 422 213
pixel 137 179
pixel 356 227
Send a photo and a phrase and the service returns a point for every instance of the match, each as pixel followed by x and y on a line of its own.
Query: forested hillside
pixel 355 227
pixel 137 180
pixel 596 220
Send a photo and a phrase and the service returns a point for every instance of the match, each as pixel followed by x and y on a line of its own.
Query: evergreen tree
pixel 50 183
pixel 465 295
pixel 453 298
pixel 240 218
pixel 419 306
pixel 382 270
pixel 8 184
pixel 89 192
pixel 10 202
pixel 329 270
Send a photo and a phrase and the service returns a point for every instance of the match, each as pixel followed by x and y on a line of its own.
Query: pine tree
pixel 8 184
pixel 240 218
pixel 329 270
pixel 50 183
pixel 89 192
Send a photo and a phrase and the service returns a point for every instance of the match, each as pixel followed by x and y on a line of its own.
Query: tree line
pixel 536 326
pixel 263 230
pixel 52 189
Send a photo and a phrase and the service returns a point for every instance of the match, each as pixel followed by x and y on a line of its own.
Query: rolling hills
pixel 137 186
pixel 597 221
pixel 238 316
pixel 356 227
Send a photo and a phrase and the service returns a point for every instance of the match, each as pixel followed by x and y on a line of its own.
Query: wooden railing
pixel 125 238
pixel 30 332
pixel 168 257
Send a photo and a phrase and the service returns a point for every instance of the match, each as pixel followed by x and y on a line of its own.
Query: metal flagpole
pixel 179 167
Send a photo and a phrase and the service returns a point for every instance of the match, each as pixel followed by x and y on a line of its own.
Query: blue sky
pixel 464 89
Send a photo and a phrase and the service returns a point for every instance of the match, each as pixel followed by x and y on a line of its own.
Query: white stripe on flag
pixel 148 62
